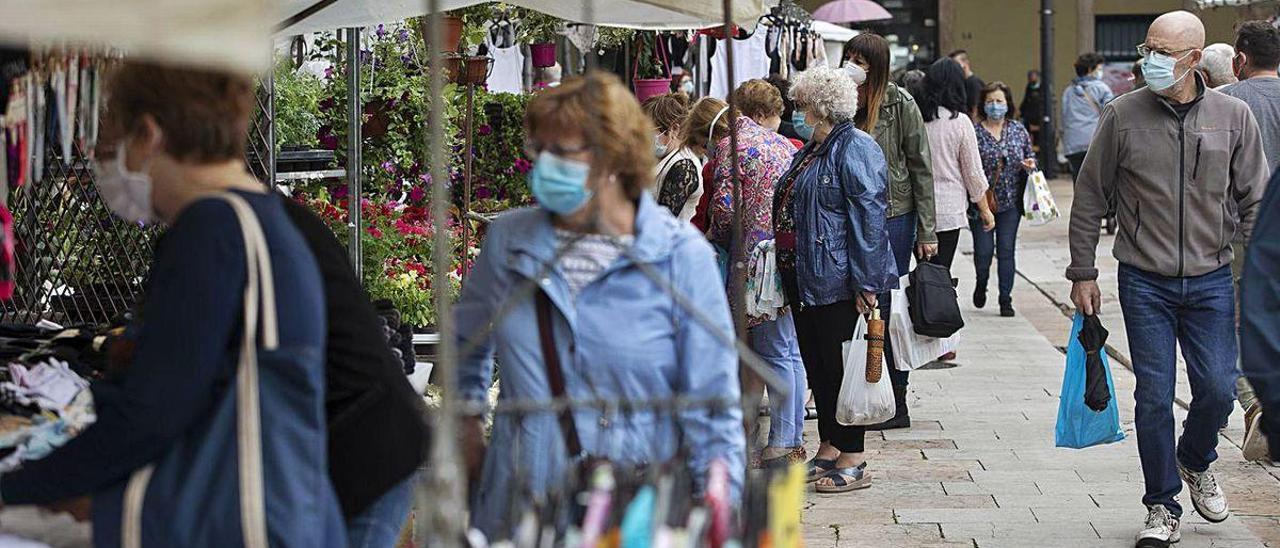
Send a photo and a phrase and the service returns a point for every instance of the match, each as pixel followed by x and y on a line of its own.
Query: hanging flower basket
pixel 543 54
pixel 650 87
pixel 657 69
pixel 476 70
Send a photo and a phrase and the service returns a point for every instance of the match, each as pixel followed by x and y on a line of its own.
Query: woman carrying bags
pixel 1007 158
pixel 892 116
pixel 829 214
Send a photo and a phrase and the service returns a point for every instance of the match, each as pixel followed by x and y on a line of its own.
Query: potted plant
pixel 539 31
pixel 451 30
pixel 652 75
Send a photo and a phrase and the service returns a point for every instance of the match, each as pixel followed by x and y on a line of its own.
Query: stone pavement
pixel 979 466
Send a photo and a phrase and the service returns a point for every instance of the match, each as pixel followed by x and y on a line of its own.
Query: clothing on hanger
pixel 750 61
pixel 507 75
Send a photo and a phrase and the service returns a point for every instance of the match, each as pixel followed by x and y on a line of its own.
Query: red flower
pixel 373 231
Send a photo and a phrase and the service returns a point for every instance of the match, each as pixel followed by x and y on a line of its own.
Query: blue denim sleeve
pixel 192 310
pixel 864 176
pixel 473 316
pixel 708 366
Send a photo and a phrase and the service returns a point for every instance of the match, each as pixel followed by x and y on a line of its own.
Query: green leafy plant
pixel 649 62
pixel 537 27
pixel 613 38
pixel 297 108
pixel 499 166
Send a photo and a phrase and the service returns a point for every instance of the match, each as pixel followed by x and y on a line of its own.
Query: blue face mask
pixel 1159 71
pixel 996 111
pixel 803 129
pixel 559 185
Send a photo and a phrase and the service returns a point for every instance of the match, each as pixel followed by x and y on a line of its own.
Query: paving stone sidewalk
pixel 979 466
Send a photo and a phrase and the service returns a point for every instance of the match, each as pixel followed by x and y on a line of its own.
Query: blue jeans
pixel 902 241
pixel 379 525
pixel 1000 242
pixel 777 345
pixel 1197 313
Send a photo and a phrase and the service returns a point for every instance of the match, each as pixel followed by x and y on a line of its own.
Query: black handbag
pixel 932 302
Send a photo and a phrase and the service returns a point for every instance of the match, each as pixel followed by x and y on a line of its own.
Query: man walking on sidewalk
pixel 1186 166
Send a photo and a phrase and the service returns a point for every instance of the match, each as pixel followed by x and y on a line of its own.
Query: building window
pixel 1116 35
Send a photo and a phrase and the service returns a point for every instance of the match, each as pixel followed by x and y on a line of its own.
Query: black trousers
pixel 821 331
pixel 947 243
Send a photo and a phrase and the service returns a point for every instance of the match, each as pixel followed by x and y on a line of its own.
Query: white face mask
pixel 854 71
pixel 127 193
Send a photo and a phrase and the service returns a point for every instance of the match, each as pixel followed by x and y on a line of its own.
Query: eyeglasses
pixel 533 149
pixel 1144 51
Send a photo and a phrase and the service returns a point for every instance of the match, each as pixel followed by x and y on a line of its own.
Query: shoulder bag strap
pixel 259 290
pixel 1094 102
pixel 555 376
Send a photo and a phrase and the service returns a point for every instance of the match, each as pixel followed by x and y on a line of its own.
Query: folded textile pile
pixel 42 406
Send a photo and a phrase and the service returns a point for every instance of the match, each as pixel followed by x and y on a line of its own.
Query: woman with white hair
pixel 829 223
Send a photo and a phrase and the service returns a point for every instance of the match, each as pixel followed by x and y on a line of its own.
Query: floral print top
pixel 763 157
pixel 1013 146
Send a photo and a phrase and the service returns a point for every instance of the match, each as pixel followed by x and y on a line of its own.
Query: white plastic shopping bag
pixel 1038 204
pixel 912 350
pixel 862 403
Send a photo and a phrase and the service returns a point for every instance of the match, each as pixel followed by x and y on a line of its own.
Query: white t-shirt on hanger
pixel 750 61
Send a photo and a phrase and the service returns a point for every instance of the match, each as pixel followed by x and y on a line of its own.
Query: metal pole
pixel 443 497
pixel 354 120
pixel 752 386
pixel 270 82
pixel 1048 137
pixel 467 156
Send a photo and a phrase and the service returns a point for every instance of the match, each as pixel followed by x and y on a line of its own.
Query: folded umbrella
pixel 1093 337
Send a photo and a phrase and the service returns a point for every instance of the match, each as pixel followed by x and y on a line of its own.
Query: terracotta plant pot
pixel 649 87
pixel 453 66
pixel 451 27
pixel 477 70
pixel 543 55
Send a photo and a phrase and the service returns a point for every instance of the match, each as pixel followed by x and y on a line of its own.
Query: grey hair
pixel 829 93
pixel 1217 62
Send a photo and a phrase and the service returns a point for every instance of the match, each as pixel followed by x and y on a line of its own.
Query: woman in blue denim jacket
pixel 833 255
pixel 592 248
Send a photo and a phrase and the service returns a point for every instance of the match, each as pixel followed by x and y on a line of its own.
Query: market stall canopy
pixel 1204 4
pixel 225 34
pixel 643 14
pixel 832 32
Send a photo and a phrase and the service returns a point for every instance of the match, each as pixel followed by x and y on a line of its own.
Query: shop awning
pixel 644 14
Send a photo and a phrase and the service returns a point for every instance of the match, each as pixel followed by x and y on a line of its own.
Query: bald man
pixel 1187 168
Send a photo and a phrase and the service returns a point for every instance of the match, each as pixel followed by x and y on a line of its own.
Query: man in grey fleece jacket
pixel 1187 168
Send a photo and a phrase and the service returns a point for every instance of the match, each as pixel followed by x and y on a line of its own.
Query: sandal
pixel 782 461
pixel 857 476
pixel 819 468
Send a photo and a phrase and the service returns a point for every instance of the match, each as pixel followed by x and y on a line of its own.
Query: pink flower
pixel 523 166
pixel 388 166
pixel 416 194
pixel 373 231
pixel 406 229
pixel 483 193
pixel 485 129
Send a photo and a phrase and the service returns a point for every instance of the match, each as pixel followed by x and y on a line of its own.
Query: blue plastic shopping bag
pixel 1078 425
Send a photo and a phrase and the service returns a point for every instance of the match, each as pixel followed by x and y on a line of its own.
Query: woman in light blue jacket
pixel 600 250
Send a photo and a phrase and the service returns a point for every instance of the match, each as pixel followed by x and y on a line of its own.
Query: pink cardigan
pixel 957 168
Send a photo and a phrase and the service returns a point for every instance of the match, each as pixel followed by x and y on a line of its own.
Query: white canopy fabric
pixel 226 34
pixel 832 32
pixel 643 14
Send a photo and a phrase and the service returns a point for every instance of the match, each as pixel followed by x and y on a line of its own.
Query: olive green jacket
pixel 900 134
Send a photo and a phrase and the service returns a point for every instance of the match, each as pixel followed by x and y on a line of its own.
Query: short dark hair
pixel 1085 63
pixel 993 87
pixel 1260 43
pixel 784 89
pixel 958 53
pixel 204 113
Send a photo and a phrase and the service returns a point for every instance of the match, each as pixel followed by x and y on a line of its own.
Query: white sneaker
pixel 1255 442
pixel 1206 495
pixel 1162 529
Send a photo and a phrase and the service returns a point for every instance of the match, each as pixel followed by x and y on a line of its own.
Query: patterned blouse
pixel 763 157
pixel 1013 146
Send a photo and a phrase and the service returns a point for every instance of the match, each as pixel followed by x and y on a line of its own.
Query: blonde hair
pixel 694 130
pixel 667 110
pixel 758 99
pixel 622 136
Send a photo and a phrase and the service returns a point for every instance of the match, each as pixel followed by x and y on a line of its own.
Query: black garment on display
pixel 378 434
pixel 932 302
pixel 1097 394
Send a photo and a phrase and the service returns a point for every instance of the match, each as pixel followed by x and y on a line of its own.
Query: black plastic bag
pixel 932 302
